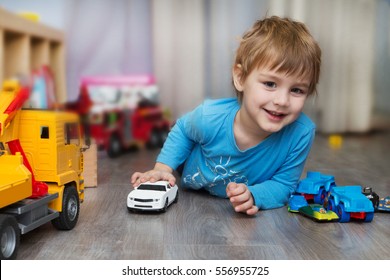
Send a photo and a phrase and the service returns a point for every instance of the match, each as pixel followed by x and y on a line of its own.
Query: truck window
pixel 44 132
pixel 72 134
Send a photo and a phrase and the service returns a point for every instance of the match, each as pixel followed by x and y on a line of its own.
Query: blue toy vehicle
pixel 295 202
pixel 349 202
pixel 316 186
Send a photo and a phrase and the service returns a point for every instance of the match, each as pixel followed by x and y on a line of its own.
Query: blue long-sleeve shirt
pixel 204 140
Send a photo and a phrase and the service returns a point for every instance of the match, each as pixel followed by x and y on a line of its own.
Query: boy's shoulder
pixel 218 106
pixel 304 122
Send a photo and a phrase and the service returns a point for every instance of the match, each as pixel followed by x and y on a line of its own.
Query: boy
pixel 250 149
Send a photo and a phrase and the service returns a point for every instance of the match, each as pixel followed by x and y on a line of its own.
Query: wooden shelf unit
pixel 26 45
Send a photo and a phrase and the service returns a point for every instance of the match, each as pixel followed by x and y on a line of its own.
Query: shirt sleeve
pixel 275 192
pixel 181 139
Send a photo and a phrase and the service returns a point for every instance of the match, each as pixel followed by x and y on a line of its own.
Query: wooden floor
pixel 200 226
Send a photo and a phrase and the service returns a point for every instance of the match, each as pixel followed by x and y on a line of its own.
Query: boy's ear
pixel 237 71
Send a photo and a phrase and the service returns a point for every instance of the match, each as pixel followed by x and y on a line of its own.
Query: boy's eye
pixel 298 91
pixel 270 84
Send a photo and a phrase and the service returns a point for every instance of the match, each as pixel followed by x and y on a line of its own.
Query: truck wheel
pixel 114 147
pixel 369 217
pixel 154 139
pixel 10 237
pixel 344 217
pixel 332 205
pixel 162 137
pixel 320 197
pixel 70 210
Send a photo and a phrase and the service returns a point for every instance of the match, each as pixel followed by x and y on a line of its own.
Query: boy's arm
pixel 176 148
pixel 275 192
pixel 186 132
pixel 175 151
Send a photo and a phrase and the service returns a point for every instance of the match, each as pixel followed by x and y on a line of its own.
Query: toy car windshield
pixel 160 188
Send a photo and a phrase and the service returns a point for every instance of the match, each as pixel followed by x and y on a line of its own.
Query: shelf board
pixel 15 23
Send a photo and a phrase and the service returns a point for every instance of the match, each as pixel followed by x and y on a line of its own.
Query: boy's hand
pixel 160 172
pixel 241 198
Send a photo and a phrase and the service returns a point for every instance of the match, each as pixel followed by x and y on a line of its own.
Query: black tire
pixel 114 146
pixel 154 139
pixel 10 237
pixel 162 137
pixel 165 206
pixel 70 210
pixel 176 197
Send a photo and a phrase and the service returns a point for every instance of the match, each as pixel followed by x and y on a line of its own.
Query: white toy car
pixel 150 196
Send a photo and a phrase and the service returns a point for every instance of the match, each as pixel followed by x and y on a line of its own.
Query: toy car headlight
pixel 131 198
pixel 157 199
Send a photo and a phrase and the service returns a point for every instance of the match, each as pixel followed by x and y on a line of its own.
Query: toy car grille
pixel 143 206
pixel 143 200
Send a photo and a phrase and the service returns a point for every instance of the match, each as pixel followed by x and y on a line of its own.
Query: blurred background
pixel 188 46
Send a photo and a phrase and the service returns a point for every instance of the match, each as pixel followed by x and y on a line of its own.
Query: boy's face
pixel 270 99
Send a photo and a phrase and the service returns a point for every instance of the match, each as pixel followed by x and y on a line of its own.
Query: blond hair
pixel 280 44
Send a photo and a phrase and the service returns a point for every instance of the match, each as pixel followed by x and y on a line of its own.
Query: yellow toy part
pixel 30 16
pixel 335 141
pixel 15 179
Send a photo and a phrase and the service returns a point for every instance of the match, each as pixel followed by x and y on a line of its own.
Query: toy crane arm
pixel 12 99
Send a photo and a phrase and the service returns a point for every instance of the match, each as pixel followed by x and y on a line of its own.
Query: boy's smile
pixel 270 101
pixel 275 116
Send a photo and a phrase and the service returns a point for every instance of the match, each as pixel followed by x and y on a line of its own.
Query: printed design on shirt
pixel 224 174
pixel 196 180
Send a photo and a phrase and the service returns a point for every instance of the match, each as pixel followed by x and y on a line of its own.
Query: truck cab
pixel 316 186
pixel 52 143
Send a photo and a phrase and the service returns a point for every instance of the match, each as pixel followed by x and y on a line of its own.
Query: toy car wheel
pixel 10 237
pixel 176 197
pixel 331 205
pixel 320 197
pixel 165 206
pixel 369 217
pixel 70 210
pixel 344 216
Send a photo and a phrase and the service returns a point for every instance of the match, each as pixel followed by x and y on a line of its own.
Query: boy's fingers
pixel 252 211
pixel 239 197
pixel 152 176
pixel 243 207
pixel 135 177
pixel 231 186
pixel 170 178
pixel 234 189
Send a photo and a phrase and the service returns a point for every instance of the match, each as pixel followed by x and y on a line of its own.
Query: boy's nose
pixel 282 98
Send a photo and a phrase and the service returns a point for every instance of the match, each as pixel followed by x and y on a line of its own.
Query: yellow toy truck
pixel 41 164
